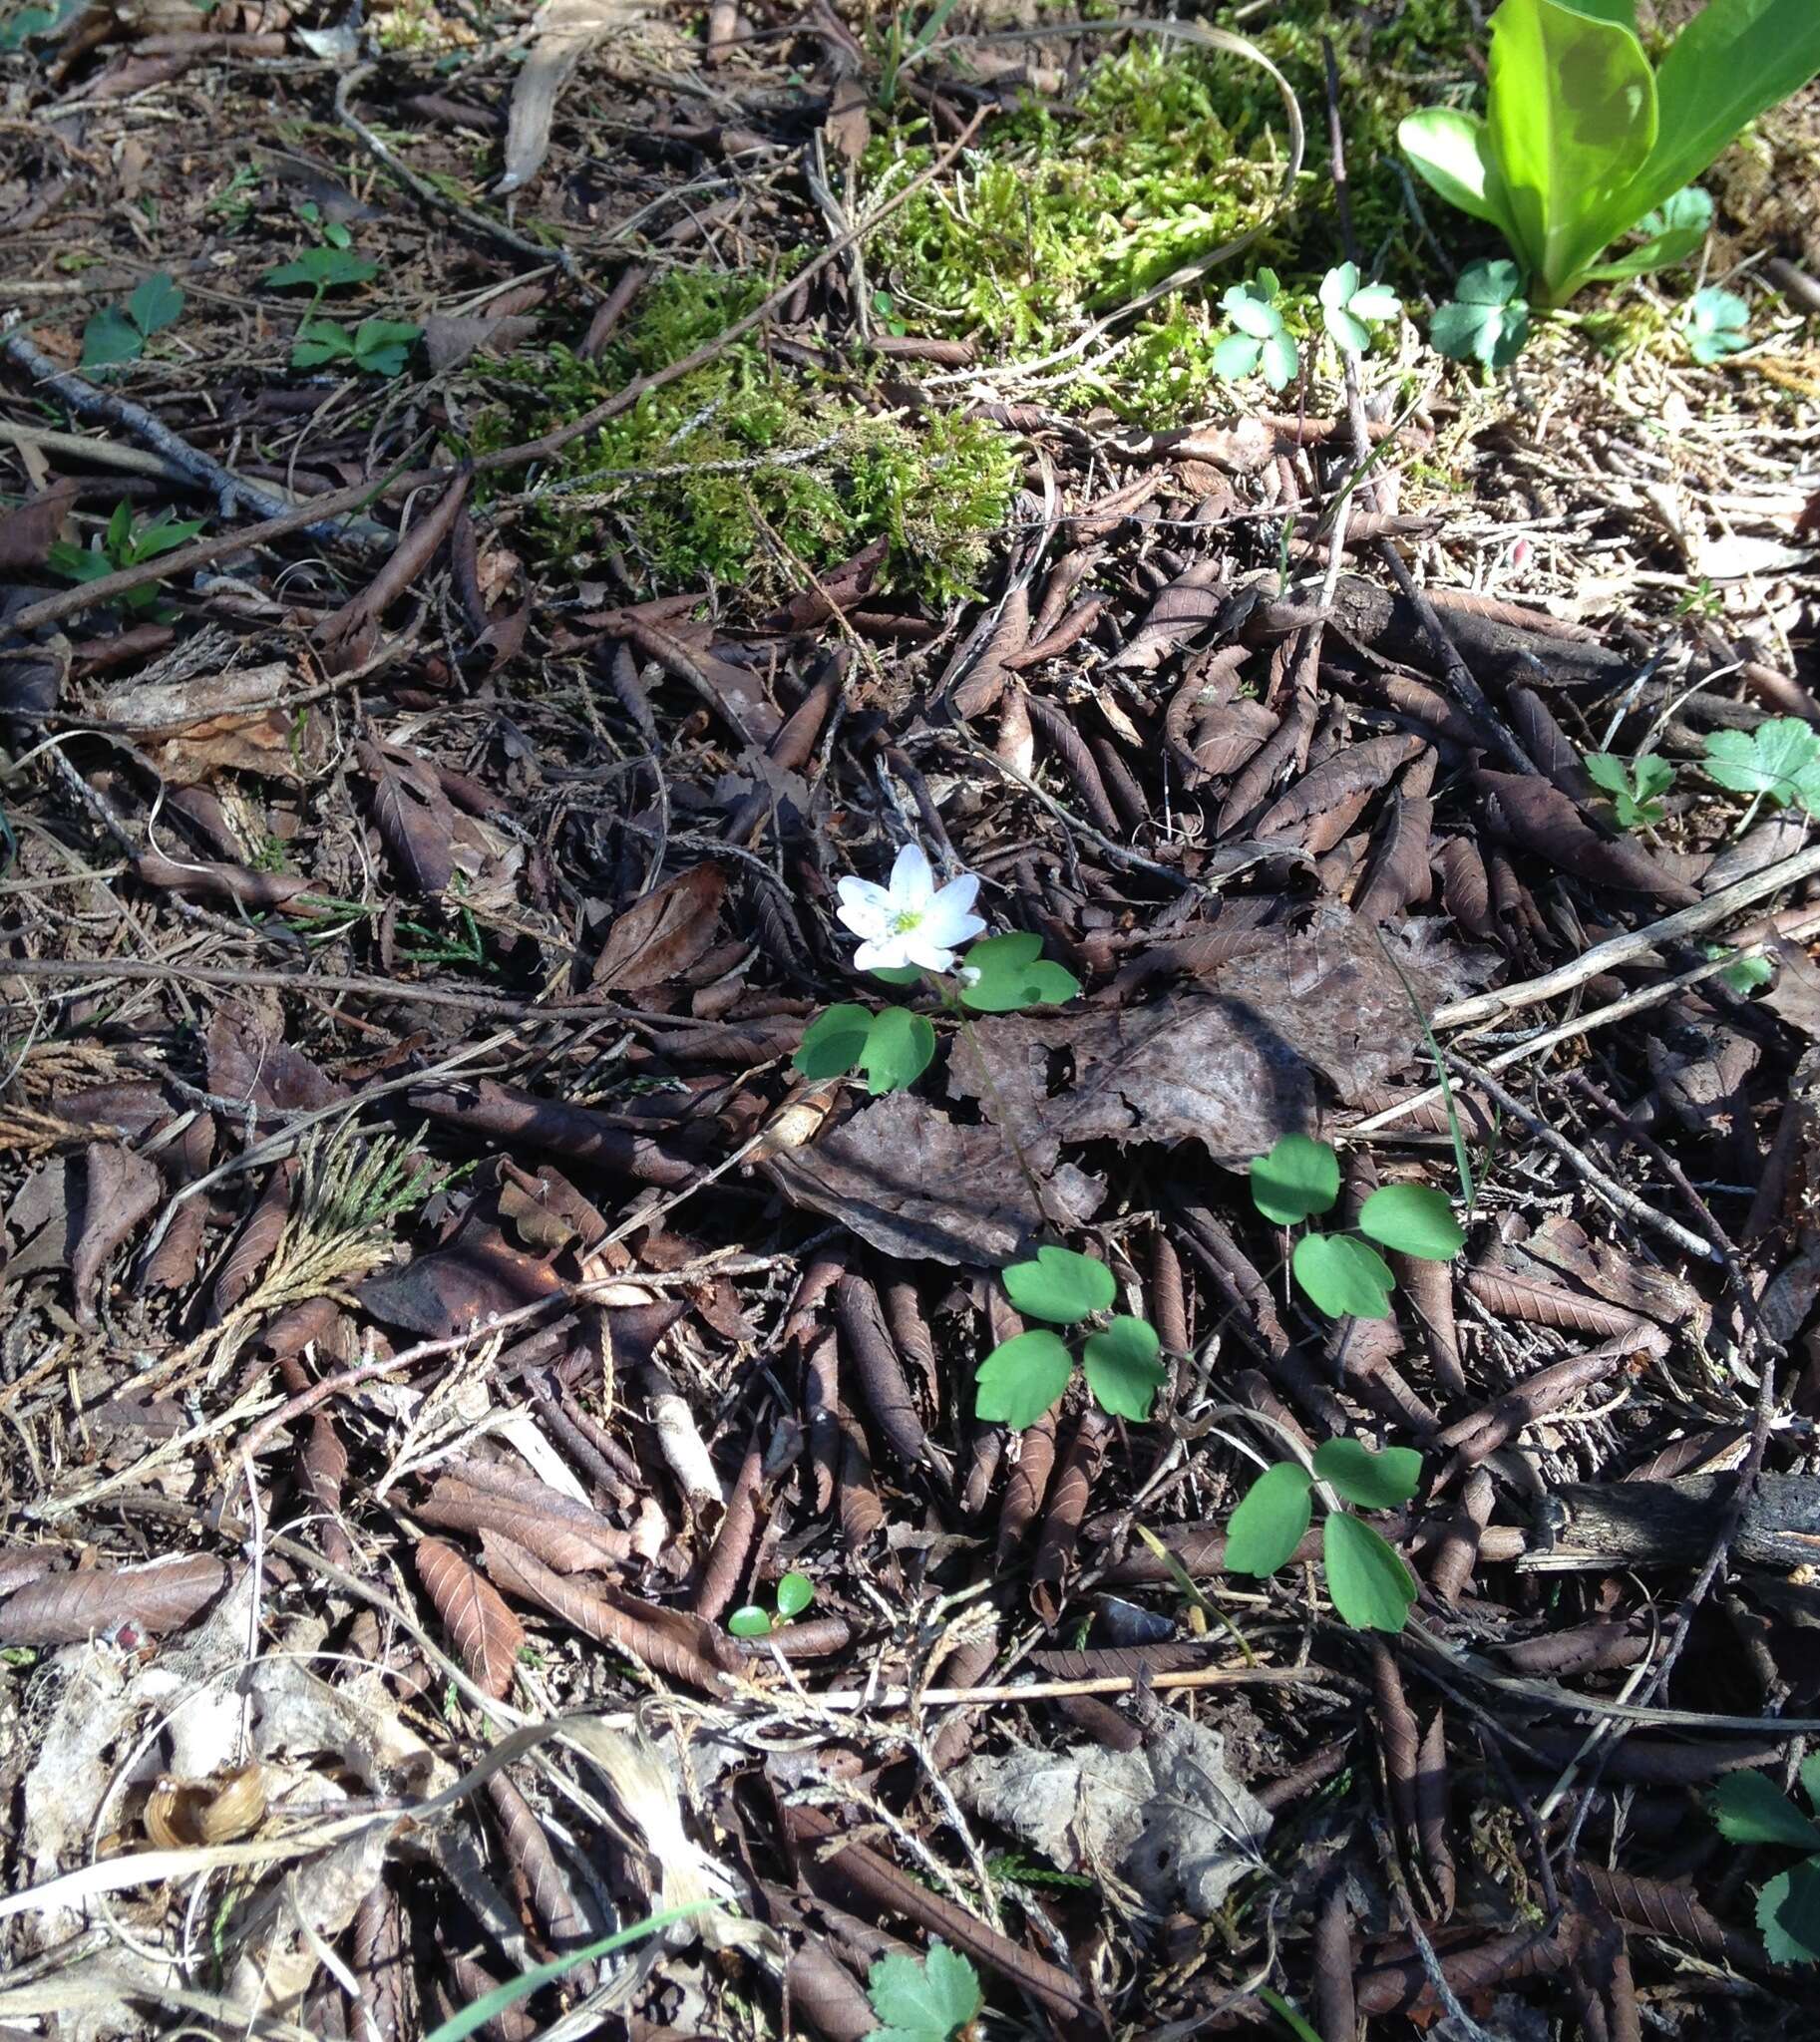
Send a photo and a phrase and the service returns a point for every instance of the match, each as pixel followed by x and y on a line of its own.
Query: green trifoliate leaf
pixel 1788 1913
pixel 795 1593
pixel 1489 283
pixel 1719 323
pixel 1345 1277
pixel 1750 1808
pixel 1349 333
pixel 1271 1520
pixel 1414 1221
pixel 1375 1482
pixel 1371 1589
pixel 1122 1368
pixel 1780 760
pixel 900 1047
pixel 1060 1286
pixel 1297 1179
pixel 1021 1378
pixel 930 2001
pixel 1013 974
pixel 833 1043
pixel 1251 311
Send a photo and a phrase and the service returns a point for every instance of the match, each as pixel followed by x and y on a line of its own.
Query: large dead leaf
pixel 162 1596
pixel 657 937
pixel 485 1632
pixel 911 1182
pixel 1191 1066
pixel 193 728
pixel 565 31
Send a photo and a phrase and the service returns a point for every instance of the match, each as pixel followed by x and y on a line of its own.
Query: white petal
pixel 918 949
pixel 950 923
pixel 865 908
pixel 912 882
pixel 882 956
pixel 960 893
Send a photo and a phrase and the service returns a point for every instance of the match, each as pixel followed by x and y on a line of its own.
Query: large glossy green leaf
pixel 1572 120
pixel 1451 152
pixel 1732 61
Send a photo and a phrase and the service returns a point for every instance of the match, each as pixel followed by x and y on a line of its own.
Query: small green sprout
pixel 379 346
pixel 1717 324
pixel 1371 1589
pixel 1261 343
pixel 795 1593
pixel 326 266
pixel 1349 309
pixel 1744 975
pixel 125 545
pixel 1635 785
pixel 1342 1276
pixel 1027 1375
pixel 1487 319
pixel 119 333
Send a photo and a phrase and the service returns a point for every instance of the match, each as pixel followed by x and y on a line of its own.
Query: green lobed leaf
pixel 1788 1913
pixel 1021 1378
pixel 1250 309
pixel 1719 323
pixel 795 1593
pixel 1489 283
pixel 926 2002
pixel 1371 1587
pixel 1236 357
pixel 111 338
pixel 1271 1520
pixel 833 1043
pixel 1375 1482
pixel 1607 770
pixel 320 340
pixel 1012 976
pixel 1338 285
pixel 1060 1286
pixel 321 270
pixel 900 1047
pixel 1122 1369
pixel 750 1621
pixel 1349 333
pixel 1413 1219
pixel 1750 1808
pixel 1343 1277
pixel 1376 302
pixel 382 346
pixel 155 303
pixel 1780 760
pixel 1297 1179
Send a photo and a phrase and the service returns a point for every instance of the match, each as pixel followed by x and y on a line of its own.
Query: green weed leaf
pixel 833 1043
pixel 156 304
pixel 900 1045
pixel 1342 1276
pixel 1012 976
pixel 1718 323
pixel 323 270
pixel 1487 321
pixel 1414 1221
pixel 1788 1913
pixel 1060 1286
pixel 382 346
pixel 1751 1809
pixel 1780 760
pixel 320 340
pixel 1298 1178
pixel 1371 1588
pixel 1375 1482
pixel 1745 975
pixel 111 338
pixel 926 2002
pixel 1122 1368
pixel 1271 1520
pixel 795 1593
pixel 1633 783
pixel 750 1621
pixel 1021 1378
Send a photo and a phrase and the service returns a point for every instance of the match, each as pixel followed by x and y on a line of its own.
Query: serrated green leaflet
pixel 833 1043
pixel 1750 1808
pixel 1376 1482
pixel 900 1045
pixel 930 2001
pixel 1778 761
pixel 1297 1179
pixel 1414 1221
pixel 1060 1286
pixel 1345 1277
pixel 1021 1378
pixel 1789 1914
pixel 1371 1589
pixel 1271 1519
pixel 1012 976
pixel 1122 1368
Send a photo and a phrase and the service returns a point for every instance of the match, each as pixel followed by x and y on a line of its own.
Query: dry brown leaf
pixel 485 1632
pixel 119 1189
pixel 662 935
pixel 566 29
pixel 158 1598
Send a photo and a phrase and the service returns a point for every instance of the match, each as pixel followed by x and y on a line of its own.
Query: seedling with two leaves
pixel 894 1047
pixel 1341 1274
pixel 125 545
pixel 1635 785
pixel 119 333
pixel 1027 1375
pixel 378 346
pixel 928 1999
pixel 1370 1587
pixel 1751 1809
pixel 795 1593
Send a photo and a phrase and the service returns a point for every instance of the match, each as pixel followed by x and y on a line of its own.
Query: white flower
pixel 910 922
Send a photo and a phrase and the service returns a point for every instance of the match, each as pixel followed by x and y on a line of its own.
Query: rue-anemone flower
pixel 912 921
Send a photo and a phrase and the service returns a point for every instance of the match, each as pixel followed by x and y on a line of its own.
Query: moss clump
pixel 747 472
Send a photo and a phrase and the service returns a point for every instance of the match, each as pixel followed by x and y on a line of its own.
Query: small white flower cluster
pixel 911 923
